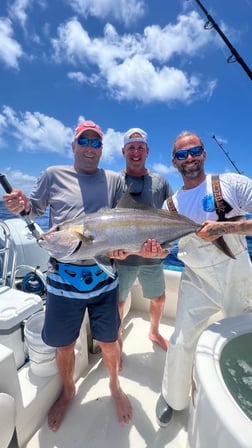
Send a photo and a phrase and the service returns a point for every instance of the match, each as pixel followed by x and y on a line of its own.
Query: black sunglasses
pixel 182 154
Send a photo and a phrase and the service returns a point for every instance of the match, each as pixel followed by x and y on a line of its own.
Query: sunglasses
pixel 182 154
pixel 85 142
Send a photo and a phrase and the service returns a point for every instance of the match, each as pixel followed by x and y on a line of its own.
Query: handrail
pixel 7 276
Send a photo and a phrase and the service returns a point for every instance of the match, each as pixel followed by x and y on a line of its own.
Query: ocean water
pixel 42 221
pixel 236 368
pixel 170 262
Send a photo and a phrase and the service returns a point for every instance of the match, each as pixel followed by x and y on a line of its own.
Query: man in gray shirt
pixel 71 191
pixel 151 189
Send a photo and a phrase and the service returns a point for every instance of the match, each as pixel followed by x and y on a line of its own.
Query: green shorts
pixel 151 279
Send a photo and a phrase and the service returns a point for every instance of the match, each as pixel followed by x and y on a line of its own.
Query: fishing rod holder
pixel 208 25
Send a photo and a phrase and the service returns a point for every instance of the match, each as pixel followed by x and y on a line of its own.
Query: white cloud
pixel 72 42
pixel 137 78
pixel 77 76
pixel 125 11
pixel 185 37
pixel 81 78
pixel 163 169
pixel 35 131
pixel 20 180
pixel 19 9
pixel 10 49
pixel 112 145
pixel 139 66
pixel 18 12
pixel 3 123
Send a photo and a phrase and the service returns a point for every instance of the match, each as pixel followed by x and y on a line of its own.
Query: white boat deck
pixel 91 421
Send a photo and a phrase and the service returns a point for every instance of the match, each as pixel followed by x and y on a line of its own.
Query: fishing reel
pixel 33 283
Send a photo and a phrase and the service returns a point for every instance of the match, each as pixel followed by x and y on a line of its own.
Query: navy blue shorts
pixel 65 311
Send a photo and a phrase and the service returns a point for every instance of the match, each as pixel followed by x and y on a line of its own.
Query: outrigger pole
pixel 234 57
pixel 227 155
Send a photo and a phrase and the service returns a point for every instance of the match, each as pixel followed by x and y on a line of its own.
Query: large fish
pixel 125 227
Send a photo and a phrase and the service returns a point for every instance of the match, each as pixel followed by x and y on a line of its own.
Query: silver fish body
pixel 96 234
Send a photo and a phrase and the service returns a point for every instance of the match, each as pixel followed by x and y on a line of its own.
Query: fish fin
pixel 128 201
pixel 104 210
pixel 221 244
pixel 86 239
pixel 167 245
pixel 104 263
pixel 236 218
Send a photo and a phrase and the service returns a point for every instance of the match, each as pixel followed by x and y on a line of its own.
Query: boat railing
pixel 7 263
pixel 15 272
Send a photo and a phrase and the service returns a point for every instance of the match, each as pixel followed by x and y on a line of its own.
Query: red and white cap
pixel 88 126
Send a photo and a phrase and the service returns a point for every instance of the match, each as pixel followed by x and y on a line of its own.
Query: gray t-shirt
pixel 70 194
pixel 150 189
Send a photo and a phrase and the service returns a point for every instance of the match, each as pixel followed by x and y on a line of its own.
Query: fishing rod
pixel 30 224
pixel 235 56
pixel 227 155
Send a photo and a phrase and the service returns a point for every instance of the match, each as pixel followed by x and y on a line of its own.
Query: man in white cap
pixel 151 189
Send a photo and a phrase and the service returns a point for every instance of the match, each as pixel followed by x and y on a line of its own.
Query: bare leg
pixel 110 354
pixel 156 312
pixel 65 361
pixel 120 340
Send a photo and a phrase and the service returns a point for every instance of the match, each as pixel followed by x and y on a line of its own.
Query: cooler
pixel 15 306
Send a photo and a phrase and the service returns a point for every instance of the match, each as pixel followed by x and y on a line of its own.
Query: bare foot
pixel 158 339
pixel 58 411
pixel 123 406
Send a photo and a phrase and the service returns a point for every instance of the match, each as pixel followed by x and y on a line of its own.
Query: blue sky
pixel 123 64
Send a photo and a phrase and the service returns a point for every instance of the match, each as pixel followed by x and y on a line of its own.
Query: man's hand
pixel 16 202
pixel 151 248
pixel 119 254
pixel 211 230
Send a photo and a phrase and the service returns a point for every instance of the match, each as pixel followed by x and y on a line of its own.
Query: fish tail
pixel 221 244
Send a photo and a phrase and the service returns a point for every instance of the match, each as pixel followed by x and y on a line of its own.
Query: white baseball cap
pixel 132 131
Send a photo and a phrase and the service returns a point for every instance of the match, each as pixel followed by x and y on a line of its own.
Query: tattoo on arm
pixel 220 230
pixel 242 228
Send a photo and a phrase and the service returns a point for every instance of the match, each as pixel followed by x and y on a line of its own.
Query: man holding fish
pixel 73 287
pixel 150 189
pixel 212 280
